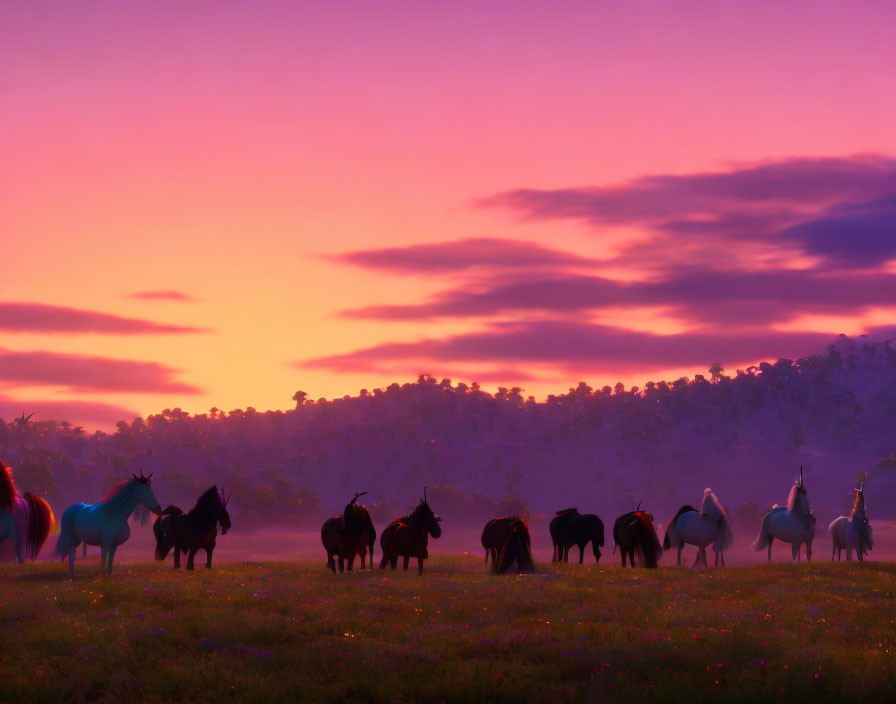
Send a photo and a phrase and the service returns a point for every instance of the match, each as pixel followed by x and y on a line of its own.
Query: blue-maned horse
pixel 794 524
pixel 854 532
pixel 106 523
pixel 709 525
pixel 26 520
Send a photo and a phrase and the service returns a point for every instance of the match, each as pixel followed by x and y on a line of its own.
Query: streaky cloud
pixel 585 346
pixel 88 374
pixel 168 295
pixel 50 319
pixel 458 255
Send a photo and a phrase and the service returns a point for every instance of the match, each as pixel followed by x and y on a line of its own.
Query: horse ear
pixel 150 476
pixel 134 476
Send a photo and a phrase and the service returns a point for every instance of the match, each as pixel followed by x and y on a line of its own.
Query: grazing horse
pixel 192 531
pixel 348 535
pixel 634 531
pixel 516 549
pixel 26 520
pixel 408 536
pixel 794 524
pixel 105 523
pixel 569 527
pixel 708 525
pixel 853 533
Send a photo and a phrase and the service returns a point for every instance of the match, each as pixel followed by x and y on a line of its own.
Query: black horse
pixel 569 527
pixel 348 535
pixel 192 531
pixel 408 536
pixel 634 531
pixel 515 550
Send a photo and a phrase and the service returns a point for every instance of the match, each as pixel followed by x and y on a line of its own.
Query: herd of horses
pixel 27 521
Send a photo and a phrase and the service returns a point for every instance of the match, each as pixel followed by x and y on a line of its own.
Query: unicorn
pixel 853 533
pixel 794 524
pixel 106 523
pixel 708 525
pixel 26 520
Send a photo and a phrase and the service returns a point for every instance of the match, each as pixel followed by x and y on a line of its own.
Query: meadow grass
pixel 291 631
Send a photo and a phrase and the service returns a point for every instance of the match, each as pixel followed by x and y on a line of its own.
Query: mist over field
pixel 744 433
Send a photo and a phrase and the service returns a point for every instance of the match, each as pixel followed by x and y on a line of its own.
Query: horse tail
pixel 40 521
pixel 68 538
pixel 516 549
pixel 761 541
pixel 598 536
pixel 724 535
pixel 371 536
pixel 647 541
pixel 866 538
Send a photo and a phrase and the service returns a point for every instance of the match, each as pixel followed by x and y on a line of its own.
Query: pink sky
pixel 236 164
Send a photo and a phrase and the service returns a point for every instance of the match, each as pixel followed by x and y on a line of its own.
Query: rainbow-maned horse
pixel 26 520
pixel 106 523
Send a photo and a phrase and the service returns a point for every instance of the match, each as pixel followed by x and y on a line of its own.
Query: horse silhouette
pixel 26 519
pixel 569 527
pixel 348 535
pixel 408 536
pixel 634 532
pixel 192 531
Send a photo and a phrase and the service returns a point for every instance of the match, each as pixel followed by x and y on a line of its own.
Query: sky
pixel 216 204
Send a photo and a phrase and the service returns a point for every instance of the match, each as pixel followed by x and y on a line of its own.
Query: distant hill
pixel 745 435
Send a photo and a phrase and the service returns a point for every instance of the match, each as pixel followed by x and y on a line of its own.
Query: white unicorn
pixel 106 523
pixel 794 524
pixel 708 525
pixel 853 533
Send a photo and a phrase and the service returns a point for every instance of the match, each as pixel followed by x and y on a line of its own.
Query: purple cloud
pixel 88 414
pixel 43 318
pixel 736 297
pixel 781 185
pixel 486 253
pixel 169 295
pixel 84 373
pixel 581 346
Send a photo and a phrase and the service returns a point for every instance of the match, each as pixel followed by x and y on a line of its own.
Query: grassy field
pixel 293 632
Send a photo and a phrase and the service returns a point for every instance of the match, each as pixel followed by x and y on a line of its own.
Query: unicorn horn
pixel 639 505
pixel 424 494
pixel 801 476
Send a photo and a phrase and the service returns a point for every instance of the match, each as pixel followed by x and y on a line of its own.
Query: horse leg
pixel 622 553
pixel 407 559
pixel 680 548
pixel 383 562
pixel 581 553
pixel 420 564
pixel 770 548
pixel 84 551
pixel 809 551
pixel 848 553
pixel 191 557
pixel 103 552
pixel 722 556
pixel 208 555
pixel 176 557
pixel 71 561
pixel 109 556
pixel 553 555
pixel 331 563
pixel 393 562
pixel 795 553
pixel 351 562
pixel 341 564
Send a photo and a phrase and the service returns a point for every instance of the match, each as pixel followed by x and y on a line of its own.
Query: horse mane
pixel 567 511
pixel 855 506
pixel 791 497
pixel 647 540
pixel 117 492
pixel 516 549
pixel 709 495
pixel 7 487
pixel 206 501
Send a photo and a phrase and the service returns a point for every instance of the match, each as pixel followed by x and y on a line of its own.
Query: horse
pixel 708 525
pixel 105 523
pixel 853 533
pixel 569 527
pixel 634 531
pixel 408 536
pixel 192 531
pixel 348 535
pixel 494 535
pixel 26 520
pixel 794 524
pixel 516 548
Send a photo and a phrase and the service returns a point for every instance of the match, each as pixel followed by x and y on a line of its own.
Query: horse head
pixel 144 494
pixel 224 516
pixel 429 519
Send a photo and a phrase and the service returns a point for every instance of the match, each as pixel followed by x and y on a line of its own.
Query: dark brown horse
pixel 516 549
pixel 348 535
pixel 633 532
pixel 192 531
pixel 494 535
pixel 408 536
pixel 569 527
